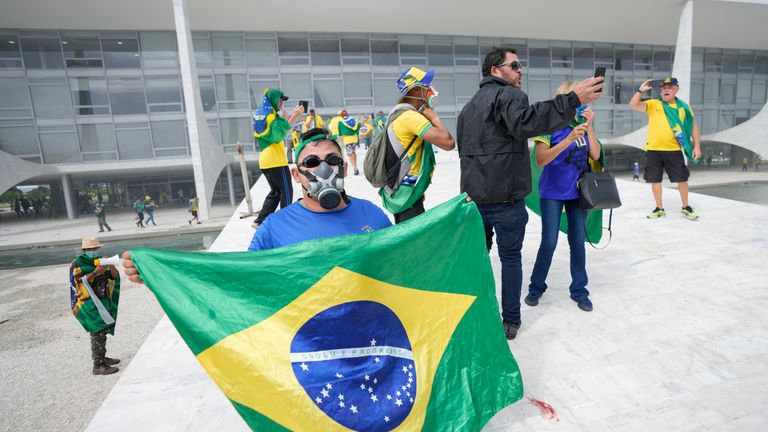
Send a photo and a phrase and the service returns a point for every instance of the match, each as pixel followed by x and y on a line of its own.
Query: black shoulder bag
pixel 598 191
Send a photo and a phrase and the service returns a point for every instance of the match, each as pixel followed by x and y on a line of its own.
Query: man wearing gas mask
pixel 413 132
pixel 325 210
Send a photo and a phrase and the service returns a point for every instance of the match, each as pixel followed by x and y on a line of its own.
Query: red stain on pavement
pixel 545 409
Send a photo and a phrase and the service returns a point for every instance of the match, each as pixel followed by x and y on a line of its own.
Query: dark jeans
pixel 551 211
pixel 280 193
pixel 415 210
pixel 508 221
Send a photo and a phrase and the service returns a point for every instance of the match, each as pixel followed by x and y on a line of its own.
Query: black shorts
pixel 656 162
pixel 194 213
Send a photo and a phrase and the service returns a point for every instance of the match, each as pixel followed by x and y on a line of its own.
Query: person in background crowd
pixel 100 211
pixel 270 129
pixel 671 128
pixel 349 131
pixel 149 207
pixel 138 208
pixel 192 208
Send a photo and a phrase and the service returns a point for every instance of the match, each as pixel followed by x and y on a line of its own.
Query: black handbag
pixel 598 191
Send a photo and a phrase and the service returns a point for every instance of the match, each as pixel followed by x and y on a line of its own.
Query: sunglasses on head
pixel 313 161
pixel 514 65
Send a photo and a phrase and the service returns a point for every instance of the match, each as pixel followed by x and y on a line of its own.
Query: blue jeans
pixel 551 211
pixel 508 221
pixel 151 217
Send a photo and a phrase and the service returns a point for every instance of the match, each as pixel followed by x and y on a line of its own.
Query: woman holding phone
pixel 564 155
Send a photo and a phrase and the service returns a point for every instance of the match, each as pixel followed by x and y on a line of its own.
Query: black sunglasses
pixel 313 161
pixel 514 65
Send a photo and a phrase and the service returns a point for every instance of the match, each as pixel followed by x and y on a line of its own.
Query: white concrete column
pixel 231 184
pixel 69 196
pixel 207 157
pixel 681 68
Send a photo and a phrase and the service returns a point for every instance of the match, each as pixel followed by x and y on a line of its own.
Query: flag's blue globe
pixel 354 360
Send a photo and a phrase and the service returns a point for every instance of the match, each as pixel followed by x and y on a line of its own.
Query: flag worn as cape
pixel 349 126
pixel 397 328
pixel 594 217
pixel 683 129
pixel 94 314
pixel 269 127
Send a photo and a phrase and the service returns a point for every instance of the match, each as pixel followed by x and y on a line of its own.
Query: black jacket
pixel 492 137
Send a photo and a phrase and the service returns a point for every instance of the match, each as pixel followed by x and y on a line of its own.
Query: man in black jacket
pixel 493 131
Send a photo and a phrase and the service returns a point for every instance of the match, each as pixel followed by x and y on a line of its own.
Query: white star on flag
pixel 398 402
pixel 324 393
pixel 397 393
pixel 367 378
pixel 408 394
pixel 375 380
pixel 362 386
pixel 403 387
pixel 374 398
pixel 353 409
pixel 318 400
pixel 370 390
pixel 304 366
pixel 411 400
pixel 408 385
pixel 410 366
pixel 341 404
pixel 410 375
pixel 376 360
pixel 405 369
pixel 328 386
pixel 338 375
pixel 341 397
pixel 386 418
pixel 389 397
pixel 373 342
pixel 410 380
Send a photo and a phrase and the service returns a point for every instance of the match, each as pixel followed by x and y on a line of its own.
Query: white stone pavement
pixel 678 340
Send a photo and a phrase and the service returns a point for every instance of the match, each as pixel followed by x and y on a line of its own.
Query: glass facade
pixel 79 96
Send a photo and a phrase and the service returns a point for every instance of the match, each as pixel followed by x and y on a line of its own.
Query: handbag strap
pixel 610 233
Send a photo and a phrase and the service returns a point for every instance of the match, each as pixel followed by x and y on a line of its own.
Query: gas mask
pixel 326 183
pixel 430 98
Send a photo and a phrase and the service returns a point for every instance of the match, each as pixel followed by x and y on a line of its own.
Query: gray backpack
pixel 382 165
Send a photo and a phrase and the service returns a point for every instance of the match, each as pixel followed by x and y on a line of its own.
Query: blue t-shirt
pixel 559 177
pixel 296 223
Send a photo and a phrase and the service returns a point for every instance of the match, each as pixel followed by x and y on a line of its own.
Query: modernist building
pixel 93 93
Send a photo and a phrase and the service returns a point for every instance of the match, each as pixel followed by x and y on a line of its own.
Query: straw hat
pixel 90 243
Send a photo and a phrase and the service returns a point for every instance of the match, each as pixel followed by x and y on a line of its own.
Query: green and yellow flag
pixel 93 304
pixel 397 329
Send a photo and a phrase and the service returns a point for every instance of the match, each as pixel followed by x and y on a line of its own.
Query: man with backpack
pixel 401 160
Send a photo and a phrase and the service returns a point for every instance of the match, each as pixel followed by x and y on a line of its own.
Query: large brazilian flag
pixel 397 329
